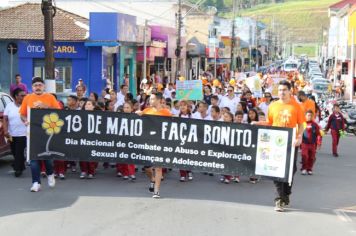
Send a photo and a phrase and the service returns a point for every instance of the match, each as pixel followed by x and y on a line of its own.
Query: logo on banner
pixel 52 125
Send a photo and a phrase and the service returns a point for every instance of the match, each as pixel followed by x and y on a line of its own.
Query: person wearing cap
pixel 38 99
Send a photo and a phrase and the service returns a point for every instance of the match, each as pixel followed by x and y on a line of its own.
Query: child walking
pixel 310 142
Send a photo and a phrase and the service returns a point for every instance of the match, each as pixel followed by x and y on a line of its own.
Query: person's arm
pixel 298 141
pixel 6 126
pixel 329 123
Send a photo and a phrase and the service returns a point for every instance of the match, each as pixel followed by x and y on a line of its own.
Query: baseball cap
pixel 37 80
pixel 107 96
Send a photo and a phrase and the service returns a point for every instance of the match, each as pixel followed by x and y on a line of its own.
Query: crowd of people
pixel 283 104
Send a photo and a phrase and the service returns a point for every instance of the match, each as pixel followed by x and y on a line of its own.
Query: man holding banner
pixel 39 100
pixel 155 109
pixel 286 112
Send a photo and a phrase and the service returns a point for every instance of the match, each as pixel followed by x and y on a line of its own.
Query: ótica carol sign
pixel 36 49
pixel 207 146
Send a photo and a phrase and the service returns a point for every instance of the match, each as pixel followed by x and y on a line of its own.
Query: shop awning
pixel 102 44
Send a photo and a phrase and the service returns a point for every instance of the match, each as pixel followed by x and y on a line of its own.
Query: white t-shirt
pixel 16 127
pixel 198 116
pixel 230 103
pixel 175 112
pixel 264 107
pixel 120 100
pixel 168 93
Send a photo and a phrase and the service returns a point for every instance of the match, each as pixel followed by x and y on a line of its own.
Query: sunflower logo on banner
pixel 52 125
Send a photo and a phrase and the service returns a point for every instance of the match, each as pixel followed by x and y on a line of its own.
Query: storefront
pixel 70 63
pixel 115 44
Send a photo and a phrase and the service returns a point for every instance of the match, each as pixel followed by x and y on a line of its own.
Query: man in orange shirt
pixel 286 112
pixel 39 100
pixel 156 109
pixel 306 103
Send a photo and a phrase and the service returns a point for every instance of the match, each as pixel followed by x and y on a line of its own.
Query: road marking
pixel 342 216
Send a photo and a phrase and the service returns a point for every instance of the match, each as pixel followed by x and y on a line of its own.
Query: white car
pixel 290 66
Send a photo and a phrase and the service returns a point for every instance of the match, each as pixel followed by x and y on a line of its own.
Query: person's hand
pixel 254 123
pixel 140 113
pixel 40 105
pixel 298 141
pixel 7 134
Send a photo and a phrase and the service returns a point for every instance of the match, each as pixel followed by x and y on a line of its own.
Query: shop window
pixel 63 73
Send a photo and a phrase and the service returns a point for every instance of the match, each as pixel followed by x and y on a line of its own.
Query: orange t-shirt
pixel 287 115
pixel 155 112
pixel 31 99
pixel 308 105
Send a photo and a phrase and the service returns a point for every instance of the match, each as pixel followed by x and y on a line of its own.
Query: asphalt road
pixel 323 204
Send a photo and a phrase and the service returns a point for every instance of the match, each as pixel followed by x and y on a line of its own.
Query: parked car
pixel 4 146
pixel 290 66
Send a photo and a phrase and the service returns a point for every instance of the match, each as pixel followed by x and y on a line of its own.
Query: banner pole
pixel 290 176
pixel 28 135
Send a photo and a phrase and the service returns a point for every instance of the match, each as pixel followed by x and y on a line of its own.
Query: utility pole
pixel 256 50
pixel 49 11
pixel 233 43
pixel 352 65
pixel 179 48
pixel 144 72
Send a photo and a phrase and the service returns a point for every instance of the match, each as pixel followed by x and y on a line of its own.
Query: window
pixel 62 73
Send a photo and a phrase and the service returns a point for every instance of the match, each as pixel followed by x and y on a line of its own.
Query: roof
pixel 341 4
pixel 26 22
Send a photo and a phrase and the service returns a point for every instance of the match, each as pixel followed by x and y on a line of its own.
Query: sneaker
pixel 43 174
pixel 253 180
pixel 55 176
pixel 74 169
pixel 304 172
pixel 90 176
pixel 336 155
pixel 182 179
pixel 62 176
pixel 35 187
pixel 310 172
pixel 237 179
pixel 190 176
pixel 83 175
pixel 211 174
pixel 156 195
pixel 18 173
pixel 226 181
pixel 222 178
pixel 118 174
pixel 151 187
pixel 279 206
pixel 51 181
pixel 132 177
pixel 125 177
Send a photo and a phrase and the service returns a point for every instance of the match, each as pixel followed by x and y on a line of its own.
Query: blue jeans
pixel 36 170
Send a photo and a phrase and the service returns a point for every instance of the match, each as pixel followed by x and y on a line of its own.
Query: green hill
pixel 302 20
